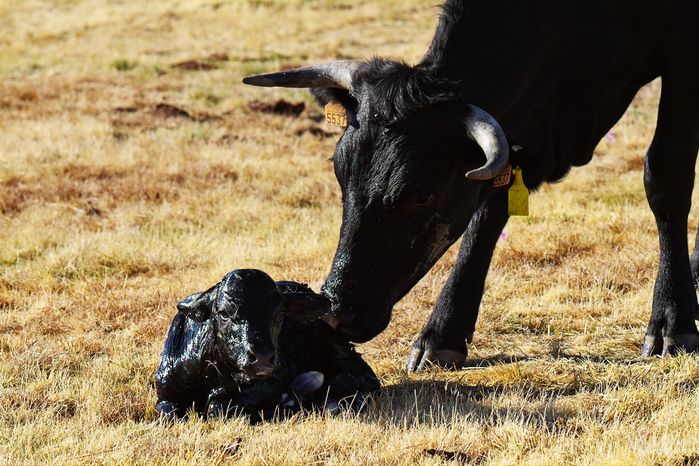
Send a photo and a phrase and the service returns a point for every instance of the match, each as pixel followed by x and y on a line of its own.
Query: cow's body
pixel 556 75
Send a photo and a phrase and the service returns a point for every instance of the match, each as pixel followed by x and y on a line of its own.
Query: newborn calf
pixel 250 346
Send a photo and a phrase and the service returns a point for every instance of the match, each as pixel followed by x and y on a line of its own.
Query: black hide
pixel 556 75
pixel 236 348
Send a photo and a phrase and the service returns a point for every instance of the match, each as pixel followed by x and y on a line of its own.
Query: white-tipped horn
pixel 335 74
pixel 482 128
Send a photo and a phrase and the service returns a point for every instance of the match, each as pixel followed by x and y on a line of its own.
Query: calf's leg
pixel 355 380
pixel 443 340
pixel 350 380
pixel 669 179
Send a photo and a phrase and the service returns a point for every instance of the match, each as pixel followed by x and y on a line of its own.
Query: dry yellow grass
pixel 112 207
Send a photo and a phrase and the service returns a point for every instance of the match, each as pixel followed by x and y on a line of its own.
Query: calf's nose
pixel 261 364
pixel 265 359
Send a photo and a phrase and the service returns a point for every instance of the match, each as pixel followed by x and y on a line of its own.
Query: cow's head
pixel 246 310
pixel 413 166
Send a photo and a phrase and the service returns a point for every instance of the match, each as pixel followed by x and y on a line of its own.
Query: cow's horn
pixel 337 74
pixel 482 128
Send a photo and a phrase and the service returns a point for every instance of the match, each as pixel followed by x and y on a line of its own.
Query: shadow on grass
pixel 529 398
pixel 500 359
pixel 435 403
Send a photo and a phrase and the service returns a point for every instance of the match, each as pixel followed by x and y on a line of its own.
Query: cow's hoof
pixel 420 359
pixel 652 346
pixel 687 342
pixel 670 346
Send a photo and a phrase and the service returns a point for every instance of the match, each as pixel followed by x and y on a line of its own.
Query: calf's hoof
pixel 332 407
pixel 168 411
pixel 221 409
pixel 670 345
pixel 306 384
pixel 421 358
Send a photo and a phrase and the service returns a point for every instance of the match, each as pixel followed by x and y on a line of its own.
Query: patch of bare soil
pixel 228 139
pixel 208 63
pixel 92 186
pixel 22 97
pixel 194 65
pixel 220 56
pixel 280 107
pixel 170 111
pixel 148 116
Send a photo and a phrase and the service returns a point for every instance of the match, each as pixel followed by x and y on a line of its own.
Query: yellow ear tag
pixel 335 114
pixel 518 196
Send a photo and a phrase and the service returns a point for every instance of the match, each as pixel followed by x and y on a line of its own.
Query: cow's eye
pixel 389 202
pixel 423 200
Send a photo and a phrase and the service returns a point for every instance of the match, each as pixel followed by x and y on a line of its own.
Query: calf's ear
pixel 305 306
pixel 198 306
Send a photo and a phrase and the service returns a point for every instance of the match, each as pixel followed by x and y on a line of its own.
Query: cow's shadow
pixel 439 403
pixel 499 359
pixel 448 398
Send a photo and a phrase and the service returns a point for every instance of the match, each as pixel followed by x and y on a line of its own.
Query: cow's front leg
pixel 443 340
pixel 668 179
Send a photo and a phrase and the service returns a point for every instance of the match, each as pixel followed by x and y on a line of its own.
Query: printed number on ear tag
pixel 335 114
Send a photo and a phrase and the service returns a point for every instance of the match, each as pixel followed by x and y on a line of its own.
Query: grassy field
pixel 136 169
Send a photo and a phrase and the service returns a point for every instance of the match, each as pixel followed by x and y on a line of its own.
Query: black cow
pixel 555 76
pixel 250 346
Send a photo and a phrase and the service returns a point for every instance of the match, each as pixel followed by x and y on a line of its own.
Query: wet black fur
pixel 195 373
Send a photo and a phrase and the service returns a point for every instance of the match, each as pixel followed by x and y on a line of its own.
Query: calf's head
pixel 246 309
pixel 413 165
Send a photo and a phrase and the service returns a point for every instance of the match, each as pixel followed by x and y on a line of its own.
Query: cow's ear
pixel 301 303
pixel 339 96
pixel 199 305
